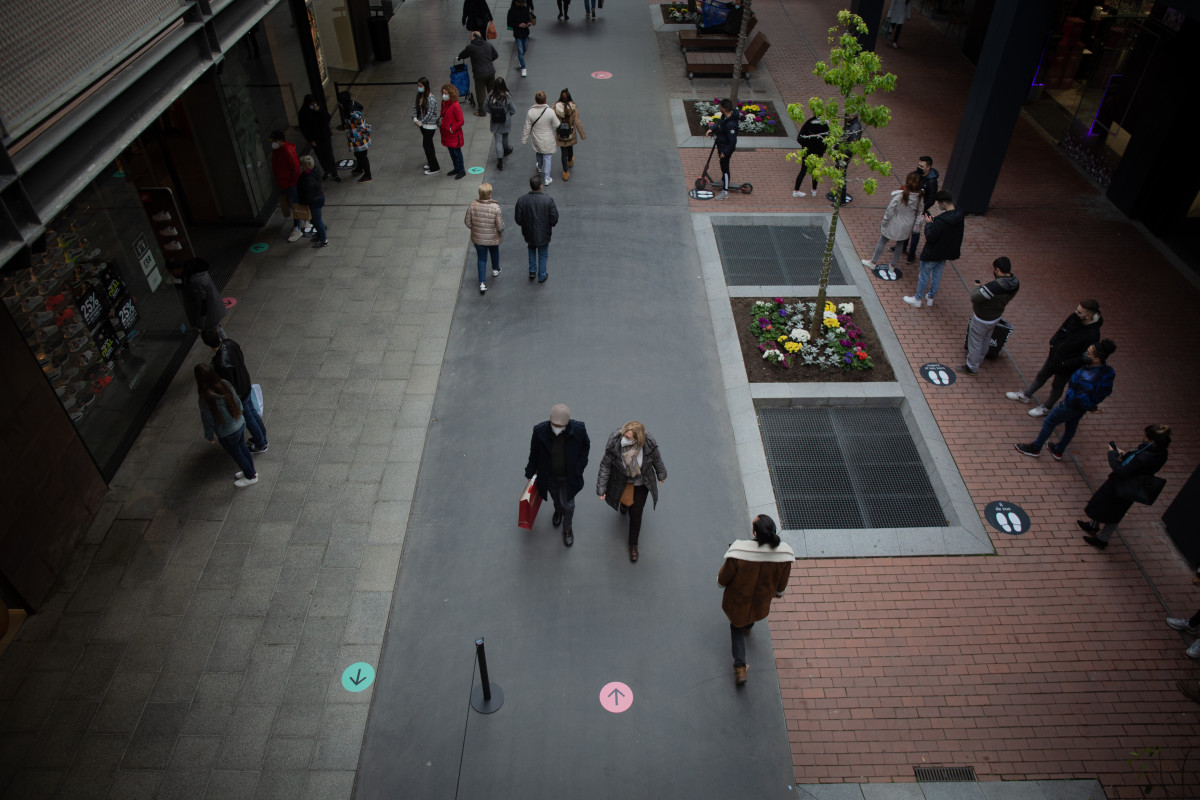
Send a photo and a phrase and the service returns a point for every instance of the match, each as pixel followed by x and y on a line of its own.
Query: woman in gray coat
pixel 631 469
pixel 501 109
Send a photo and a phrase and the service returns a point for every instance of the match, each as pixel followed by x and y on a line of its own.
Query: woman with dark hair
pixel 310 193
pixel 451 124
pixel 520 19
pixel 501 110
pixel 568 115
pixel 812 138
pixel 314 124
pixel 425 117
pixel 1112 501
pixel 897 223
pixel 476 15
pixel 221 415
pixel 756 571
pixel 631 469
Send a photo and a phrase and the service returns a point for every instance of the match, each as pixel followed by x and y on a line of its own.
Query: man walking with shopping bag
pixel 558 454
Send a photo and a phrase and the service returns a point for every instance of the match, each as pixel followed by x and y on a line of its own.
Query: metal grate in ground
pixel 774 255
pixel 846 467
pixel 944 774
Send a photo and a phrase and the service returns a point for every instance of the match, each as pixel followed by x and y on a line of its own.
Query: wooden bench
pixel 721 63
pixel 694 40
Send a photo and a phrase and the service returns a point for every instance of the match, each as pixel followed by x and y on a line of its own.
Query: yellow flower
pixel 782 339
pixel 829 306
pixel 830 323
pixel 792 347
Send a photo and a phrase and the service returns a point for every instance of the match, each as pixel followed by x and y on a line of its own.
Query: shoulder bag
pixel 1143 489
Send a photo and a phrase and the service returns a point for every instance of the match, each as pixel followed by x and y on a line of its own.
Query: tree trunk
pixel 737 55
pixel 817 326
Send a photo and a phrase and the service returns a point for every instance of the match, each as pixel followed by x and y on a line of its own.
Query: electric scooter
pixel 706 187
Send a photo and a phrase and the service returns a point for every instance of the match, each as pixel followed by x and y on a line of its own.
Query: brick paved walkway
pixel 1050 660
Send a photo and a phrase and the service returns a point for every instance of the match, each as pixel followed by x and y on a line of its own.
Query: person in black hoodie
pixel 228 362
pixel 1110 503
pixel 725 129
pixel 476 15
pixel 943 242
pixel 812 139
pixel 314 124
pixel 929 187
pixel 310 193
pixel 988 302
pixel 1068 348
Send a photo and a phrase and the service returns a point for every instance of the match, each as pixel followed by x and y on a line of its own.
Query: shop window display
pixel 97 314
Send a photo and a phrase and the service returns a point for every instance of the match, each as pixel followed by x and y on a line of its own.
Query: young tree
pixel 855 73
pixel 736 84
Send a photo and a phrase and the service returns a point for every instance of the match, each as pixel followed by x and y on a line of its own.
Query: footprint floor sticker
pixel 937 374
pixel 1006 517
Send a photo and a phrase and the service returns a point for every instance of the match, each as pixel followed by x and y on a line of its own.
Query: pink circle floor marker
pixel 602 76
pixel 616 697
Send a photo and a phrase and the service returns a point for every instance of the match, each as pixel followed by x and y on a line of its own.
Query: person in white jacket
pixel 898 221
pixel 898 13
pixel 541 121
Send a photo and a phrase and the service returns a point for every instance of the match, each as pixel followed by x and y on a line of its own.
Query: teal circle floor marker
pixel 358 677
pixel 259 247
pixel 475 170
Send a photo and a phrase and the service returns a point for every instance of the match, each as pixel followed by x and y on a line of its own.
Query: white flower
pixel 846 308
pixel 829 315
pixel 800 335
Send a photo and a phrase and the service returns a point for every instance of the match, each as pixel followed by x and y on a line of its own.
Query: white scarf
pixel 750 550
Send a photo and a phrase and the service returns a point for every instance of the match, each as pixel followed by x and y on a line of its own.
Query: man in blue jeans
pixel 227 361
pixel 1086 389
pixel 537 215
pixel 943 242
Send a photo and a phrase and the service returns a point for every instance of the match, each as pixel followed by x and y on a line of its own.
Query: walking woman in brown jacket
pixel 486 221
pixel 755 571
pixel 631 469
pixel 568 114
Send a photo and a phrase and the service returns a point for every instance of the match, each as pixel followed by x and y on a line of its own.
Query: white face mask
pixel 557 430
pixel 274 145
pixel 445 97
pixel 626 441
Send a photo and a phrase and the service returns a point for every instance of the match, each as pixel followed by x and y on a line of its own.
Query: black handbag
pixel 1143 489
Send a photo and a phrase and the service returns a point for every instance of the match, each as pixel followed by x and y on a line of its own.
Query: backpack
pixel 565 129
pixel 498 111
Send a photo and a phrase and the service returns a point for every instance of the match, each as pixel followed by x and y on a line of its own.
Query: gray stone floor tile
pixel 246 736
pixel 232 785
pixel 1071 790
pixel 299 720
pixel 147 650
pixel 214 703
pixel 280 785
pixel 288 753
pixel 829 791
pixel 95 588
pixel 94 767
pixel 91 676
pixel 202 619
pixel 62 734
pixel 35 784
pixel 331 597
pixel 306 687
pixel 224 566
pixel 194 546
pixel 320 639
pixel 154 736
pixel 1011 790
pixel 953 791
pixel 379 567
pixel 345 552
pixel 181 671
pixel 135 784
pixel 368 617
pixel 183 784
pixel 338 746
pixel 234 644
pixel 288 609
pixel 146 566
pixel 28 710
pixel 174 591
pixel 122 705
pixel 893 791
pixel 121 541
pixel 328 785
pixel 266 678
pixel 123 614
pixel 194 753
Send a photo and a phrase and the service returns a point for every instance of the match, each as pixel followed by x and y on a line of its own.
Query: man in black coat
pixel 943 242
pixel 725 130
pixel 558 453
pixel 481 55
pixel 228 362
pixel 314 124
pixel 537 215
pixel 1068 352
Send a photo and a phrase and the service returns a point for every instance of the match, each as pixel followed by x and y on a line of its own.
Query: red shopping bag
pixel 531 501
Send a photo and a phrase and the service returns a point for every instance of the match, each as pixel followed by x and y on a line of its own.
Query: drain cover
pixel 774 255
pixel 846 467
pixel 945 774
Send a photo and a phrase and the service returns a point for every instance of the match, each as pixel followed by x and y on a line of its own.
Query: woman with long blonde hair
pixel 631 469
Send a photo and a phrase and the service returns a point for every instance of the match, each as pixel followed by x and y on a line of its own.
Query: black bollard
pixel 486 698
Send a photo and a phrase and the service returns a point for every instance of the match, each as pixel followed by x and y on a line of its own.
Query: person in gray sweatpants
pixel 988 301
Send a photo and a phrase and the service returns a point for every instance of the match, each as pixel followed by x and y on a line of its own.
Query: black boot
pixel 500 164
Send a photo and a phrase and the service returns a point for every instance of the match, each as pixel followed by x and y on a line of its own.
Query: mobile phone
pixel 1112 445
pixel 976 283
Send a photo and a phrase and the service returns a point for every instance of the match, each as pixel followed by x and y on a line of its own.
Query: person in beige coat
pixel 568 112
pixel 755 572
pixel 541 122
pixel 486 221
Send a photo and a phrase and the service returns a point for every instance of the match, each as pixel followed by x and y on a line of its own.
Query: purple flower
pixel 783 312
pixel 847 358
pixel 844 343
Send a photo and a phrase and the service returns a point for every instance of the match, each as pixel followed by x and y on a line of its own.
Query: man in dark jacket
pixel 725 130
pixel 558 453
pixel 1087 388
pixel 481 54
pixel 537 215
pixel 1068 348
pixel 988 301
pixel 852 131
pixel 228 362
pixel 943 242
pixel 202 302
pixel 812 138
pixel 929 188
pixel 314 124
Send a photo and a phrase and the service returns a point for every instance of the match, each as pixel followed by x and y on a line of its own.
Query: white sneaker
pixel 482 288
pixel 429 171
pixel 173 245
pixel 168 231
pixel 722 196
pixel 929 301
pixel 522 72
pixel 1040 411
pixel 548 181
pixel 1180 624
pixel 798 194
pixel 1018 396
pixel 242 483
pixel 295 234
pixel 162 216
pixel 495 273
pixel 912 301
pixel 868 264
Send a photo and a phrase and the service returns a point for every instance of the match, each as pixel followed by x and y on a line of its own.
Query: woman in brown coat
pixel 486 222
pixel 631 469
pixel 755 571
pixel 568 113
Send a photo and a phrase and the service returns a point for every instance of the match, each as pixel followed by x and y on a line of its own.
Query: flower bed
pixel 776 345
pixel 758 118
pixel 678 14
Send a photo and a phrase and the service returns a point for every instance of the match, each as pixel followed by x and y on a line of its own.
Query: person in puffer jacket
pixel 359 137
pixel 1086 390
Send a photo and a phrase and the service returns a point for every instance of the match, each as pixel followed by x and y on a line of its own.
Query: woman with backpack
pixel 500 107
pixel 223 421
pixel 569 131
pixel 451 124
pixel 425 117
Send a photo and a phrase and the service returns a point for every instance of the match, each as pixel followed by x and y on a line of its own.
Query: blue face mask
pixel 420 90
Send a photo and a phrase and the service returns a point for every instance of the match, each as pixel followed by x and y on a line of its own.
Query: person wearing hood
pixel 812 138
pixel 481 55
pixel 314 124
pixel 755 572
pixel 988 301
pixel 1068 348
pixel 943 242
pixel 202 302
pixel 359 137
pixel 285 166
